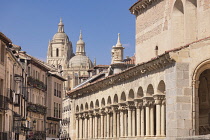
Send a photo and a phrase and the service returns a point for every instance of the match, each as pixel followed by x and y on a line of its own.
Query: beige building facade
pixel 166 94
pixel 73 67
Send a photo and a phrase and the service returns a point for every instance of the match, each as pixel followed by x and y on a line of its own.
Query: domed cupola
pixel 80 50
pixel 80 60
pixel 60 36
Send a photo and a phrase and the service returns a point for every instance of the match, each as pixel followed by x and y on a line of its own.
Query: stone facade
pixel 166 95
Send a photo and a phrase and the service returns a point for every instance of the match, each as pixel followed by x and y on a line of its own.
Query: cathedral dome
pixel 80 61
pixel 80 42
pixel 60 36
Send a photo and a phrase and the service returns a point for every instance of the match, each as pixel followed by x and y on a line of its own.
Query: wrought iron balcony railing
pixel 36 83
pixel 4 105
pixel 36 108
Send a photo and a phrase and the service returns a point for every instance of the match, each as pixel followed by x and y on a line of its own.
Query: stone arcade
pixel 166 94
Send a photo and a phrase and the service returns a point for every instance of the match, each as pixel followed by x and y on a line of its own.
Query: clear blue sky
pixel 32 23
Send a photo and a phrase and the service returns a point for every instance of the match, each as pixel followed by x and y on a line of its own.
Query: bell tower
pixel 60 49
pixel 117 52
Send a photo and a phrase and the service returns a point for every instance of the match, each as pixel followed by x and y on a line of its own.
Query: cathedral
pixel 60 54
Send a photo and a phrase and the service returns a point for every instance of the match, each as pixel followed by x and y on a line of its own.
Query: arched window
pixel 177 24
pixel 57 52
pixel 190 21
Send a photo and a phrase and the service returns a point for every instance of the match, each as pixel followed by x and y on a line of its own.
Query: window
pixel 54 109
pixel 1 86
pixel 57 90
pixel 34 73
pixel 43 79
pixel 2 51
pixel 29 71
pixel 59 111
pixel 57 52
pixel 54 88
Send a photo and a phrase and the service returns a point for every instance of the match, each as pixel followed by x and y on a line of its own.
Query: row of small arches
pixel 123 98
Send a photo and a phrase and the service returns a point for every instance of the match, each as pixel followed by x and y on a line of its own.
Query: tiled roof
pixel 152 59
pixel 5 39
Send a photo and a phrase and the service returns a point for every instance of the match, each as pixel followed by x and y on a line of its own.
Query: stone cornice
pixel 138 70
pixel 141 5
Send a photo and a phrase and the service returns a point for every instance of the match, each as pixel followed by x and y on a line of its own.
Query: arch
pixel 91 105
pixel 140 92
pixel 190 21
pixel 109 101
pixel 123 97
pixel 150 90
pixel 102 102
pixel 115 99
pixel 97 104
pixel 161 87
pixel 199 84
pixel 131 94
pixel 86 106
pixel 57 52
pixel 77 108
pixel 177 24
pixel 81 107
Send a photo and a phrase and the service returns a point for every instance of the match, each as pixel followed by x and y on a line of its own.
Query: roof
pixel 130 60
pixel 6 40
pixel 141 5
pixel 101 66
pixel 142 65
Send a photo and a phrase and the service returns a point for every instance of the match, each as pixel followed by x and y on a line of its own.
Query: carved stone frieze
pixel 159 98
pixel 148 101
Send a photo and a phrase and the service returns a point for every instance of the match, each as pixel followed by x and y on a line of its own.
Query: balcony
pixel 37 84
pixel 10 95
pixel 37 108
pixel 4 105
pixel 36 135
pixel 65 121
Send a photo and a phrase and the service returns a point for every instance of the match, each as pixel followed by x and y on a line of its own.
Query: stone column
pixel 118 123
pixel 142 121
pixel 125 122
pixel 102 125
pixel 152 120
pixel 77 126
pixel 105 126
pixel 163 129
pixel 147 120
pixel 80 126
pixel 91 126
pixel 129 122
pixel 139 124
pixel 147 101
pixel 158 100
pixel 138 121
pixel 108 124
pixel 121 123
pixel 114 117
pixel 111 125
pixel 93 131
pixel 86 126
pixel 133 122
pixel 96 126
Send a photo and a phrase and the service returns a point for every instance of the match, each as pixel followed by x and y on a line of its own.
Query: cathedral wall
pixel 170 24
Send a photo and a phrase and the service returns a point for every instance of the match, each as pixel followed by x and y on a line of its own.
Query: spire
pixel 61 26
pixel 94 63
pixel 80 50
pixel 118 41
pixel 80 36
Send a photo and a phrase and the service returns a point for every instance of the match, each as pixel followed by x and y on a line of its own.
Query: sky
pixel 32 23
